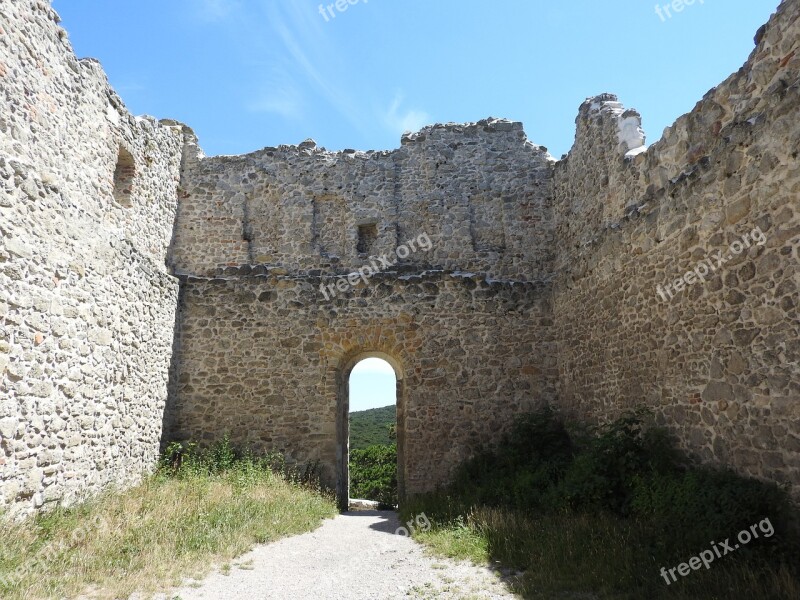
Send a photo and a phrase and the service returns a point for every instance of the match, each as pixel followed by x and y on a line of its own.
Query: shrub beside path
pixel 355 556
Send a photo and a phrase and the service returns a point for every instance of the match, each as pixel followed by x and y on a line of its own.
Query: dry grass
pixel 598 557
pixel 153 536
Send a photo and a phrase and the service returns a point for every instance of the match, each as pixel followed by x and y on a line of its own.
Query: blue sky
pixel 252 73
pixel 372 384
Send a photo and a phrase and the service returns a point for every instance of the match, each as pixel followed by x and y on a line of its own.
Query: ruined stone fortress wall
pixel 87 309
pixel 149 293
pixel 464 318
pixel 480 191
pixel 719 362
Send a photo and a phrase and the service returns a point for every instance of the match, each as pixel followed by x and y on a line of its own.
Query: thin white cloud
pixel 400 120
pixel 295 64
pixel 281 99
pixel 304 40
pixel 129 87
pixel 216 10
pixel 374 365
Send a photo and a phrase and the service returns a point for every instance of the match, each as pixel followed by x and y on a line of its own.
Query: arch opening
pixel 371 387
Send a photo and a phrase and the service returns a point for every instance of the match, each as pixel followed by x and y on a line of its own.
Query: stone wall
pixel 538 282
pixel 264 358
pixel 717 360
pixel 87 309
pixel 595 234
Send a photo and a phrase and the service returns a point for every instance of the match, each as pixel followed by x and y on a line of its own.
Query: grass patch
pixel 597 513
pixel 460 540
pixel 199 509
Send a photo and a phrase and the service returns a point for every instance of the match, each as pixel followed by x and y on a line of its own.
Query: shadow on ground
pixel 389 521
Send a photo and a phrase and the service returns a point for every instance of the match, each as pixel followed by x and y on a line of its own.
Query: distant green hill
pixel 370 427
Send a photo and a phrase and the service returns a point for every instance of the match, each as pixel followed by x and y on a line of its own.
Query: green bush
pixel 640 500
pixel 704 504
pixel 611 460
pixel 373 474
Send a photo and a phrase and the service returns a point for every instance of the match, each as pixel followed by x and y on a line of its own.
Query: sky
pixel 372 385
pixel 246 74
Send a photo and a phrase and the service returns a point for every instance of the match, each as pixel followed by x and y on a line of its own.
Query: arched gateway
pixel 343 423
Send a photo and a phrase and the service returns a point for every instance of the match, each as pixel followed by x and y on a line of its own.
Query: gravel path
pixel 356 556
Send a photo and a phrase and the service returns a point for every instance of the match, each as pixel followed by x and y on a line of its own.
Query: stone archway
pixel 343 372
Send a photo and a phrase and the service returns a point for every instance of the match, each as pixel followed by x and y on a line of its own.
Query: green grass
pixel 460 540
pixel 597 514
pixel 175 525
pixel 371 427
pixel 596 556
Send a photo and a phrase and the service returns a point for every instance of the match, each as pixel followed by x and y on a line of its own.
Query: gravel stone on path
pixel 355 556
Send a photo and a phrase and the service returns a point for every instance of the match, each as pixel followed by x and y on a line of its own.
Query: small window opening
pixel 367 236
pixel 123 178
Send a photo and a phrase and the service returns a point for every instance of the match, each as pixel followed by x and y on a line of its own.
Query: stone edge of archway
pixel 343 367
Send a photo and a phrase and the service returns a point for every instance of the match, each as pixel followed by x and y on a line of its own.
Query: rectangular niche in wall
pixel 329 226
pixel 486 216
pixel 367 236
pixel 124 174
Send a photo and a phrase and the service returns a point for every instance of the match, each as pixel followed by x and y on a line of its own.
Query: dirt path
pixel 356 556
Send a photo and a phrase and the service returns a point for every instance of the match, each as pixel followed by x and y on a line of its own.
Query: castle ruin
pixel 150 293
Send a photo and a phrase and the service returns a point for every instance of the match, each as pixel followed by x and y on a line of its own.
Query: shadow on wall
pixel 168 433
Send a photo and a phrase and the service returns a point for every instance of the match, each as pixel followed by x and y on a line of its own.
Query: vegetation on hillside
pixel 200 508
pixel 602 511
pixel 371 427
